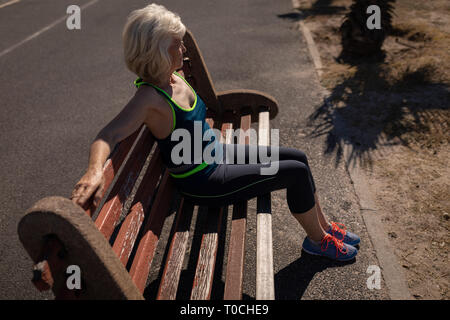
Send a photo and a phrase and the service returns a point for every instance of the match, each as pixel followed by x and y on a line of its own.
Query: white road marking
pixel 8 3
pixel 34 35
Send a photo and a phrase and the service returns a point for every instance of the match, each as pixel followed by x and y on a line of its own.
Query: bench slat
pixel 145 252
pixel 129 230
pixel 236 252
pixel 264 255
pixel 111 210
pixel 204 273
pixel 172 270
pixel 235 264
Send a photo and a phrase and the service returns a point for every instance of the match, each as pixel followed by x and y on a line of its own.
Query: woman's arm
pixel 124 124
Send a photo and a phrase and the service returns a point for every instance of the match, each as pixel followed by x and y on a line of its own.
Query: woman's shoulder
pixel 150 98
pixel 159 116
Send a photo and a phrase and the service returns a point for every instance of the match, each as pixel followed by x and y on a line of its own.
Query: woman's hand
pixel 92 181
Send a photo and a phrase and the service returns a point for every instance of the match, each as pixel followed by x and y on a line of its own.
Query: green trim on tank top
pixel 138 84
pixel 193 91
pixel 141 82
pixel 190 172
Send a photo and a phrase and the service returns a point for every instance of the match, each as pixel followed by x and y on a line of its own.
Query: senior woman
pixel 166 103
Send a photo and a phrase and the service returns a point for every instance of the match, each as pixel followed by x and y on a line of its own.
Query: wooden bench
pixel 114 255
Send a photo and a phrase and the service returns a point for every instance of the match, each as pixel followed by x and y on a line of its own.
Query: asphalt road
pixel 59 87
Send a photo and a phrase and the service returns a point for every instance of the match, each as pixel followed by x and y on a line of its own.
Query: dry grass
pixel 405 98
pixel 416 209
pixel 416 67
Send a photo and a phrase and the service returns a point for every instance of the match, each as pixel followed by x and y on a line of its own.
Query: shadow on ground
pixel 292 281
pixel 319 7
pixel 376 105
pixel 368 110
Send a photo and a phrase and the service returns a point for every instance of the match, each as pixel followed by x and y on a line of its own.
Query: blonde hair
pixel 146 39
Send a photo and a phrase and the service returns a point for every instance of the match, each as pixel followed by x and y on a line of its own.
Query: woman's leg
pixel 311 224
pixel 234 182
pixel 230 183
pixel 284 153
pixel 341 234
pixel 322 219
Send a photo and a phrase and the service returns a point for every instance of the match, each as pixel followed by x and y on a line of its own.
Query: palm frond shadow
pixel 319 7
pixel 367 110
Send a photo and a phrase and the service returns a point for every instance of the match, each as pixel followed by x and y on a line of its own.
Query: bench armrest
pixel 86 247
pixel 236 100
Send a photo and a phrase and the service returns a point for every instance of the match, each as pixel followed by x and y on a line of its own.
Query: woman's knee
pixel 294 169
pixel 301 156
pixel 293 154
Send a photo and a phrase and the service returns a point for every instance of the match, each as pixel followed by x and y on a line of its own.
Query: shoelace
pixel 337 243
pixel 338 228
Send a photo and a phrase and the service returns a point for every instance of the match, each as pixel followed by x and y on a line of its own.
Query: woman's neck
pixel 169 82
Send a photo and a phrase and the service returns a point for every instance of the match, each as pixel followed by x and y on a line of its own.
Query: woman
pixel 165 102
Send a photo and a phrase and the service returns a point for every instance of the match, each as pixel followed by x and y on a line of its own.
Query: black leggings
pixel 231 182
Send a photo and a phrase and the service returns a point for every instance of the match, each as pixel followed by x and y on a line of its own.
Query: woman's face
pixel 176 50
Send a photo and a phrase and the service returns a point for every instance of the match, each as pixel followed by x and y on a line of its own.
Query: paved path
pixel 59 87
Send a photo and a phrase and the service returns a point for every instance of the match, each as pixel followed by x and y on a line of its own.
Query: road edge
pixel 392 272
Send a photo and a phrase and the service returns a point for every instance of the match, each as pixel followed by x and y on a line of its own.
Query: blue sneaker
pixel 339 231
pixel 330 247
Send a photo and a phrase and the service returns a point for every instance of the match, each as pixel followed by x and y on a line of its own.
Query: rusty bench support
pixel 50 260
